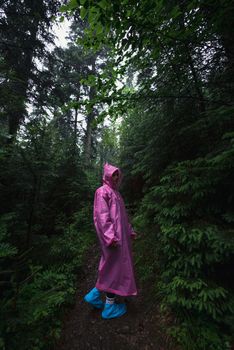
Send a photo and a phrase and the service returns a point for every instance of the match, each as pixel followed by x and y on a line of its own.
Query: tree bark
pixel 89 120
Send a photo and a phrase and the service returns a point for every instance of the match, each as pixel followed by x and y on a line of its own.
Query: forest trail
pixel 84 329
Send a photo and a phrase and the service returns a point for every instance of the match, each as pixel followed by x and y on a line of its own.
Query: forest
pixel 147 86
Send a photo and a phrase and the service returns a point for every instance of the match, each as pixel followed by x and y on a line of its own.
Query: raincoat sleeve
pixel 102 218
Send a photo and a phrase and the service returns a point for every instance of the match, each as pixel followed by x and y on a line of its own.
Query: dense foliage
pixel 46 189
pixel 176 148
pixel 165 70
pixel 46 225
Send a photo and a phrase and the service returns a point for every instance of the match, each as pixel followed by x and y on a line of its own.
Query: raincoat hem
pixel 110 290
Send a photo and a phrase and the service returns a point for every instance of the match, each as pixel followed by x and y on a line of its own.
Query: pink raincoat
pixel 115 272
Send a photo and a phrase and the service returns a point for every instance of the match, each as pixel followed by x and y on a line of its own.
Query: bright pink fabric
pixel 115 272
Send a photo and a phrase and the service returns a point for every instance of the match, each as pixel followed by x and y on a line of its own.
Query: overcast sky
pixel 61 31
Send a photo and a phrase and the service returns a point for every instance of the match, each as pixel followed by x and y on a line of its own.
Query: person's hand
pixel 134 235
pixel 114 244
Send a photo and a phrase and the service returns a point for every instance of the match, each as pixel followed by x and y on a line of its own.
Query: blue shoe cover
pixel 113 310
pixel 93 298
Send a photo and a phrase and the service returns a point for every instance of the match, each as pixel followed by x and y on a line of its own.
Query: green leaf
pixel 64 8
pixel 83 12
pixel 73 4
pixel 99 28
pixel 103 4
pixel 93 16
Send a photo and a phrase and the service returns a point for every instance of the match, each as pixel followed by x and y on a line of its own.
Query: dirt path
pixel 84 329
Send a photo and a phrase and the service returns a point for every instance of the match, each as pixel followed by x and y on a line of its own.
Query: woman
pixel 115 273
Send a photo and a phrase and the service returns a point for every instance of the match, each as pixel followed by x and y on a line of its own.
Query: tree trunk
pixel 89 120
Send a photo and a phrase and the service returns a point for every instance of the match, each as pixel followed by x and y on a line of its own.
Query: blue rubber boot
pixel 113 310
pixel 93 298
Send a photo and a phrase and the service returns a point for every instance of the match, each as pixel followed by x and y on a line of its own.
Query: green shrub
pixel 192 205
pixel 33 307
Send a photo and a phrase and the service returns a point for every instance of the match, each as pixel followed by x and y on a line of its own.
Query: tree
pixel 182 104
pixel 24 34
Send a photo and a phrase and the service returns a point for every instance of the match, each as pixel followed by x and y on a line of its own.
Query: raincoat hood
pixel 107 176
